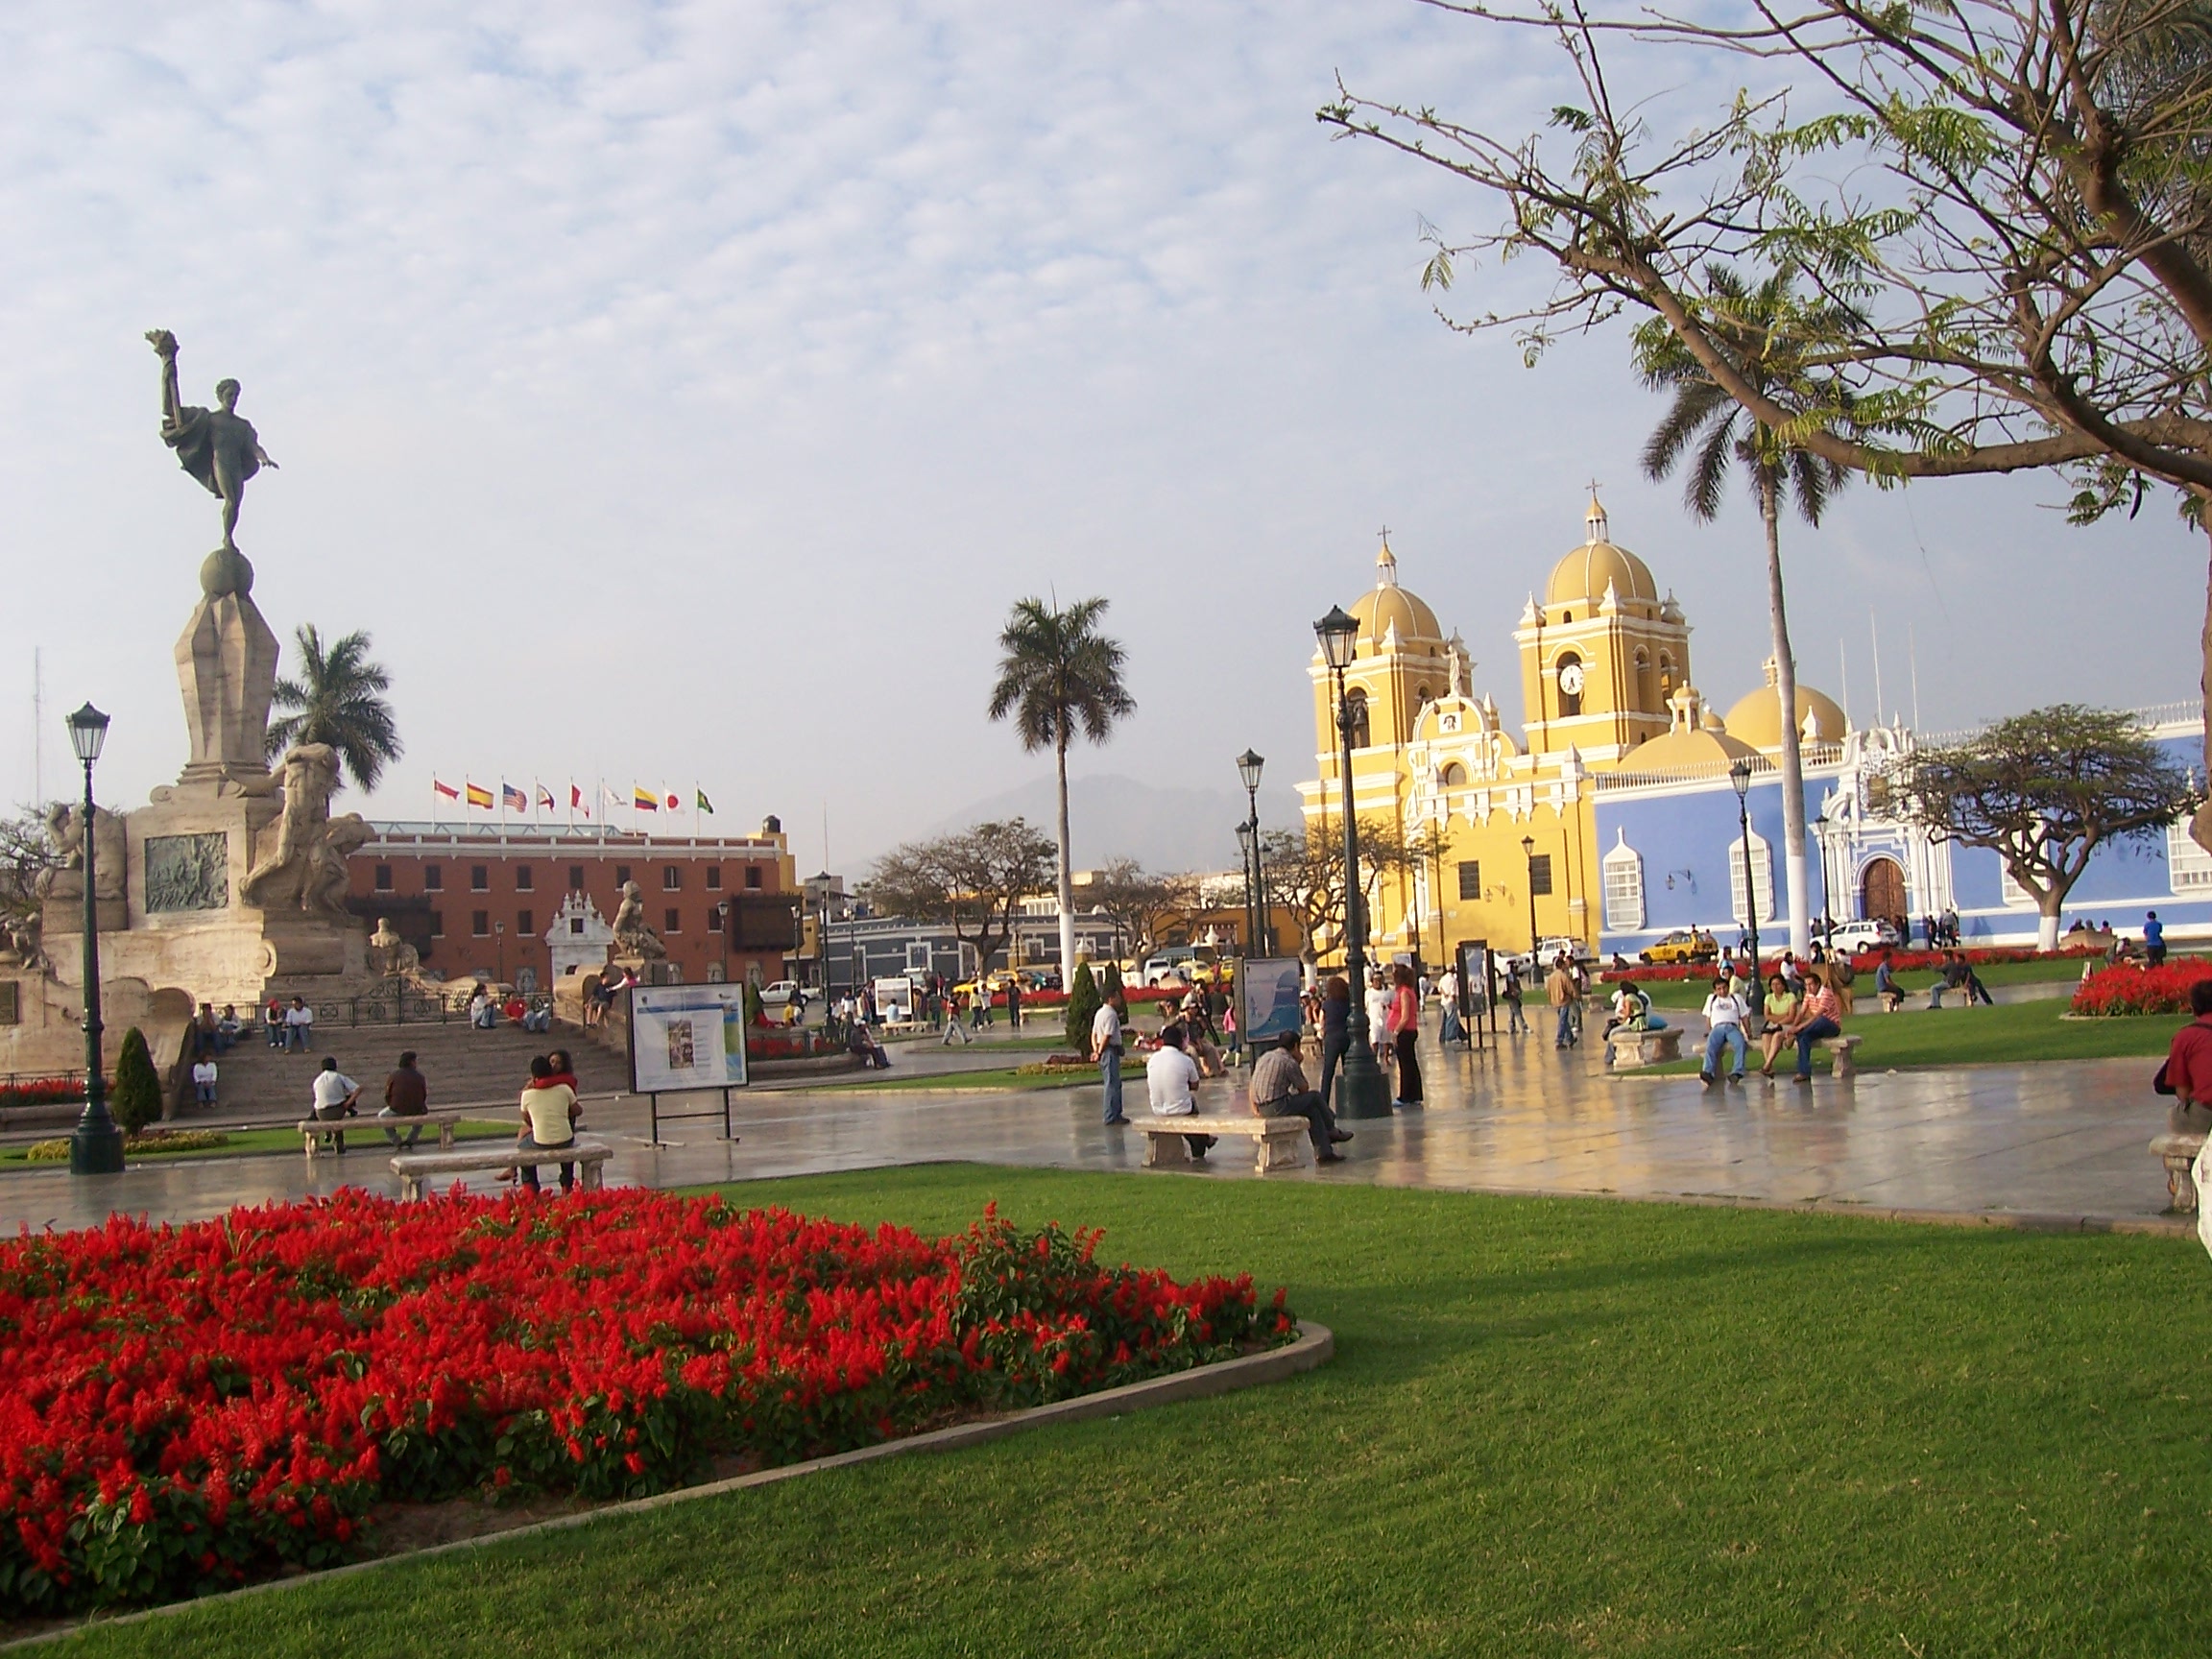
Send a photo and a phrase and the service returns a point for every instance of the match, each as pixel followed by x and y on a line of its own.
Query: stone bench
pixel 1626 1049
pixel 1283 1143
pixel 2177 1150
pixel 414 1167
pixel 318 1132
pixel 1843 1054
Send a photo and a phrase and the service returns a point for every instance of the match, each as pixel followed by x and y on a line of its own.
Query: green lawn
pixel 1552 1428
pixel 1692 993
pixel 245 1141
pixel 1955 1036
pixel 994 1078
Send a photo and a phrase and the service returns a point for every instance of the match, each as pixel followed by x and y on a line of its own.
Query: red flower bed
pixel 2129 989
pixel 185 1409
pixel 41 1091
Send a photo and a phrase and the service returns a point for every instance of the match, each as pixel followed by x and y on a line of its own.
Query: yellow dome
pixel 1698 739
pixel 1386 606
pixel 1584 574
pixel 1757 719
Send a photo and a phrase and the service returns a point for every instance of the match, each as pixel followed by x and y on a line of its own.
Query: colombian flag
pixel 644 802
pixel 479 797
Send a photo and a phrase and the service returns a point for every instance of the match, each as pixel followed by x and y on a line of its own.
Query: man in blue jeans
pixel 1819 1015
pixel 1106 1049
pixel 2153 939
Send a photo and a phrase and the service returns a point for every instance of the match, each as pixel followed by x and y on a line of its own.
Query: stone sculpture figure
pixel 218 446
pixel 66 828
pixel 25 947
pixel 631 937
pixel 390 955
pixel 292 870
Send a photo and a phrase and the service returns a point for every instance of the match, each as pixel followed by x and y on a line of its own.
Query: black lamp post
pixel 1244 846
pixel 1528 853
pixel 1361 1092
pixel 500 932
pixel 1740 775
pixel 1248 765
pixel 96 1148
pixel 722 926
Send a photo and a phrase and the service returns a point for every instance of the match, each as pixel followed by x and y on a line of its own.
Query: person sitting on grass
pixel 1278 1091
pixel 1781 1009
pixel 548 1122
pixel 334 1095
pixel 1820 1016
pixel 1170 1076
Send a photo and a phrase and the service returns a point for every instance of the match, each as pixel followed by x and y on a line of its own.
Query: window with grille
pixel 1762 879
pixel 1540 875
pixel 1624 873
pixel 671 878
pixel 2188 866
pixel 1470 878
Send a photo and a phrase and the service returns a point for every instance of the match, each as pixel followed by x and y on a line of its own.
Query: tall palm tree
pixel 336 700
pixel 1058 673
pixel 1770 334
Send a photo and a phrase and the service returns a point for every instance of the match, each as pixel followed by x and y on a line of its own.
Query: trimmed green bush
pixel 755 1014
pixel 1112 981
pixel 136 1098
pixel 1083 1000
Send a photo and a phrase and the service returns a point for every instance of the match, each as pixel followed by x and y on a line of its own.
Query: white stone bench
pixel 414 1167
pixel 317 1132
pixel 1626 1049
pixel 1843 1053
pixel 1281 1142
pixel 2177 1150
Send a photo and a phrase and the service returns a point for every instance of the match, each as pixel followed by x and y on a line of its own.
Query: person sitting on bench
pixel 548 1122
pixel 1170 1077
pixel 861 1041
pixel 1278 1091
pixel 334 1095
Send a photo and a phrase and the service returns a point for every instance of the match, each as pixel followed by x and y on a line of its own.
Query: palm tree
pixel 1769 335
pixel 335 701
pixel 1059 673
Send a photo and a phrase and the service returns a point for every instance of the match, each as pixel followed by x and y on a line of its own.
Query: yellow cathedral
pixel 1605 687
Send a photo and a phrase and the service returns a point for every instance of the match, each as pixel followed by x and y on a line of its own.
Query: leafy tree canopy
pixel 338 699
pixel 972 882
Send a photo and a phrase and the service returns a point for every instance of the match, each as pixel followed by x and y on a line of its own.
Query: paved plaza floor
pixel 2060 1140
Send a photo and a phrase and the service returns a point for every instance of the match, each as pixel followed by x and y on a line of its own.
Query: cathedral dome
pixel 1757 719
pixel 1386 606
pixel 1696 742
pixel 1582 577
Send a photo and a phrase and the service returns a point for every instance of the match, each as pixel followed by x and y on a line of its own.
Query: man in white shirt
pixel 1170 1076
pixel 299 1025
pixel 1106 1049
pixel 334 1093
pixel 1447 992
pixel 1726 1012
pixel 203 1082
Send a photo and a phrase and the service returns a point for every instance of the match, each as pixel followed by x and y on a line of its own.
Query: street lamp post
pixel 96 1148
pixel 1528 853
pixel 1244 846
pixel 722 926
pixel 500 932
pixel 1248 765
pixel 1361 1092
pixel 1740 775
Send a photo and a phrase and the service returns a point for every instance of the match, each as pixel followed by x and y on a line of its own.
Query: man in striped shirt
pixel 1819 1015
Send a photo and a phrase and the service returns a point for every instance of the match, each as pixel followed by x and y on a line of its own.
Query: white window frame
pixel 1623 875
pixel 1761 879
pixel 2188 866
pixel 2009 893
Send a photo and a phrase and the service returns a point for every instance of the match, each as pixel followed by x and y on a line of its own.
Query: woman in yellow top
pixel 1781 1010
pixel 548 1121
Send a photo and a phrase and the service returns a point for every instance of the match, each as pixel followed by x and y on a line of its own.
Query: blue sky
pixel 684 393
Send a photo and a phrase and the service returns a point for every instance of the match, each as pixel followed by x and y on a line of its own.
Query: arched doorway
pixel 1882 889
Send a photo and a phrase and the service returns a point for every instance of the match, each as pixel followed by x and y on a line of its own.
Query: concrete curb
pixel 1316 1346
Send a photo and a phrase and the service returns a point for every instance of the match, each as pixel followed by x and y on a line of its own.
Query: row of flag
pixel 510 799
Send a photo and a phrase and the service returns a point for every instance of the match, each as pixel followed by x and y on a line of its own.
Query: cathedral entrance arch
pixel 1882 889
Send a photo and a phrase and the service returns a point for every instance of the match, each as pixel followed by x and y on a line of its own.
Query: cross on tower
pixel 1594 487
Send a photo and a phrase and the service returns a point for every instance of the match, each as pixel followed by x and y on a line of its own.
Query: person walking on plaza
pixel 406 1094
pixel 1106 1049
pixel 953 1024
pixel 1818 1016
pixel 1726 1015
pixel 1378 1017
pixel 548 1123
pixel 1013 1002
pixel 1781 1011
pixel 203 1081
pixel 1516 1020
pixel 1278 1091
pixel 2154 940
pixel 1405 1024
pixel 1560 990
pixel 334 1095
pixel 1335 1030
pixel 1171 1077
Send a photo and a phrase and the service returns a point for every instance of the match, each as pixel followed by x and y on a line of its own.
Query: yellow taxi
pixel 1682 946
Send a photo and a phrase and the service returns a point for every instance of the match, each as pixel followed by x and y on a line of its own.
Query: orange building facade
pixel 515 903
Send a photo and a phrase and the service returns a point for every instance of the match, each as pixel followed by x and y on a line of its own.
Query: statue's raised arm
pixel 218 446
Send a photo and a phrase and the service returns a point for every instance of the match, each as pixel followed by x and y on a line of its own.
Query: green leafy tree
pixel 2009 198
pixel 135 1100
pixel 1112 983
pixel 972 882
pixel 2044 790
pixel 755 1010
pixel 1083 1000
pixel 1766 331
pixel 338 699
pixel 1057 676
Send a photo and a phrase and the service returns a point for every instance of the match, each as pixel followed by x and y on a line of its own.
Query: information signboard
pixel 1267 1001
pixel 686 1036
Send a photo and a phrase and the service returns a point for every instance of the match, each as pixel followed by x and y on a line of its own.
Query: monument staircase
pixel 465 1067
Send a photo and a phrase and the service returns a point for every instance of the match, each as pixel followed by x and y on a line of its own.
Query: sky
pixel 681 394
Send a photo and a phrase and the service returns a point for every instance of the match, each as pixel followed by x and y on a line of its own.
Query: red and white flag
pixel 446 789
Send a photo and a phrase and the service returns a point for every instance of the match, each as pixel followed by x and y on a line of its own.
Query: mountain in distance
pixel 1111 816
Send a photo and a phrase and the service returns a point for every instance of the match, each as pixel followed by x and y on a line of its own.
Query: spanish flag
pixel 478 796
pixel 644 802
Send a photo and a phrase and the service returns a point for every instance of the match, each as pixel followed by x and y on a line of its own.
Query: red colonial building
pixel 525 903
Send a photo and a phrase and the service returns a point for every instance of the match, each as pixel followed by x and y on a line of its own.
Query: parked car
pixel 1682 945
pixel 1856 936
pixel 780 994
pixel 1548 951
